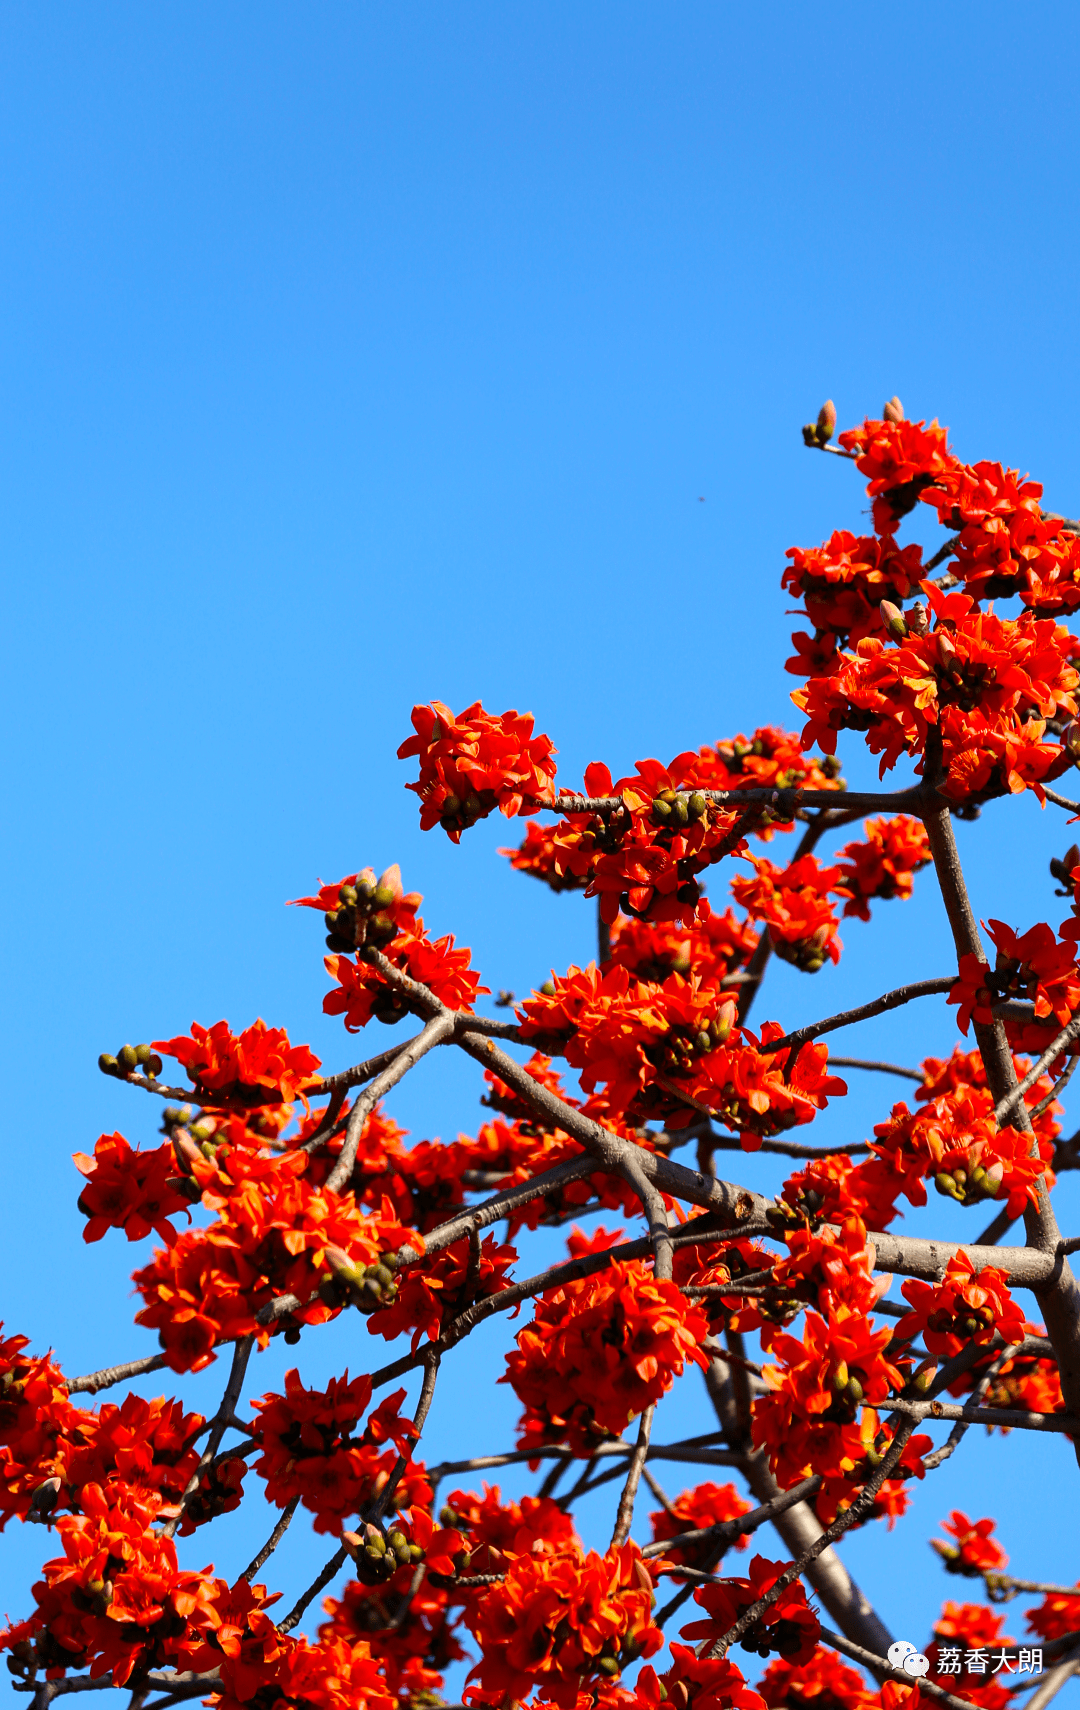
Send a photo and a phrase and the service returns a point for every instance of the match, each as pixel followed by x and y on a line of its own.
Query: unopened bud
pixel 826 422
pixel 924 1376
pixel 1070 738
pixel 894 410
pixel 127 1058
pixel 917 620
pixel 893 619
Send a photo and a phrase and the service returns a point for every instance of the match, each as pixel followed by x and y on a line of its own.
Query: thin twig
pixel 1008 1103
pixel 878 1006
pixel 108 1375
pixel 218 1426
pixel 883 1068
pixel 625 1513
pixel 439 1029
pixel 272 1541
pixel 296 1613
pixel 884 1670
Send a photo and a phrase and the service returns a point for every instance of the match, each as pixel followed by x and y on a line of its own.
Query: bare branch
pixel 438 1030
pixel 272 1541
pixel 218 1426
pixel 319 1583
pixel 108 1375
pixel 884 1671
pixel 625 1512
pixel 883 1068
pixel 878 1006
pixel 1008 1102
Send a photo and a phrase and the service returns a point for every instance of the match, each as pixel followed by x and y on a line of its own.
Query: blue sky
pixel 353 356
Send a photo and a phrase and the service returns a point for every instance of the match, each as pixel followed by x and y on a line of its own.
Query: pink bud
pixel 894 410
pixel 826 422
pixel 893 619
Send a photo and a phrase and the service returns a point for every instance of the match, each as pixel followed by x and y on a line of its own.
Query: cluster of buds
pixel 968 1187
pixel 848 1393
pixel 361 917
pixel 676 1052
pixel 128 1060
pixel 809 955
pixel 676 810
pixel 785 1637
pixel 967 1323
pixel 369 1287
pixel 378 1555
pixel 459 813
pixel 818 434
pixel 806 1208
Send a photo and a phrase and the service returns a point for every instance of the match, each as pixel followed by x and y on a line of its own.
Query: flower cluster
pixel 275 1233
pixel 1005 542
pixel 714 946
pixel 885 865
pixel 707 1683
pixel 965 1627
pixel 986 684
pixel 693 1511
pixel 788 1626
pixel 844 581
pixel 130 1190
pixel 655 1048
pixel 562 1623
pixel 821 1682
pixel 965 1306
pixel 476 762
pixel 312 1448
pixel 410 1634
pixel 435 1290
pixel 243 1071
pixel 1037 966
pixel 902 459
pixel 793 902
pixel 598 1351
pixel 975 1551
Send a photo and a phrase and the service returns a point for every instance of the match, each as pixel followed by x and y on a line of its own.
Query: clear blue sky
pixel 358 355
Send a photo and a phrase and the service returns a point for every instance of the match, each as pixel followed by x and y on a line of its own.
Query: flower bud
pixel 108 1064
pixel 893 619
pixel 894 410
pixel 825 425
pixel 1070 738
pixel 924 1376
pixel 917 620
pixel 127 1059
pixel 697 805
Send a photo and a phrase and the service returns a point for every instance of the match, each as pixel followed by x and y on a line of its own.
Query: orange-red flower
pixel 885 865
pixel 788 1626
pixel 598 1351
pixel 706 1683
pixel 822 1682
pixel 244 1070
pixel 705 1505
pixel 562 1623
pixel 475 762
pixel 844 581
pixel 794 903
pixel 312 1447
pixel 129 1190
pixel 975 1550
pixel 965 1306
pixel 902 459
pixel 437 1289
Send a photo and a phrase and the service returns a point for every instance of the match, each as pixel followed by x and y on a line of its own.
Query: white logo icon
pixel 903 1655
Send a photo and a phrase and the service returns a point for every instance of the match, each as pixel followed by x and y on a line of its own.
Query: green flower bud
pixel 107 1064
pixel 127 1058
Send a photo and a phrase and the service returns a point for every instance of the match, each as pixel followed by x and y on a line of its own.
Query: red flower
pixel 562 1623
pixel 706 1683
pixel 1056 1615
pixel 129 1190
pixel 474 763
pixel 312 1447
pixel 244 1070
pixel 788 1626
pixel 975 1550
pixel 966 1306
pixel 902 459
pixel 362 992
pixel 793 903
pixel 844 582
pixel 885 865
pixel 822 1682
pixel 434 1291
pixel 598 1351
pixel 706 1505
